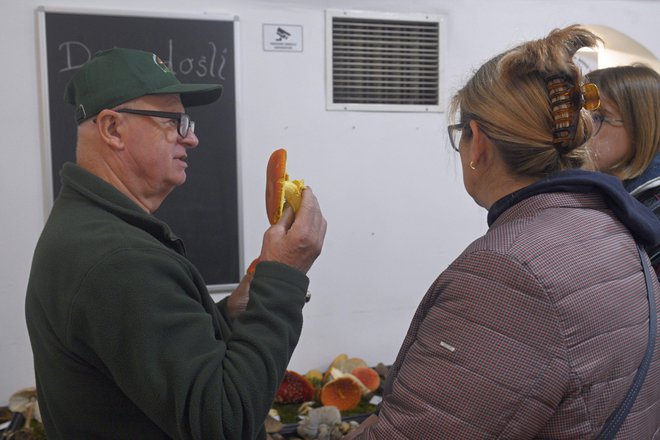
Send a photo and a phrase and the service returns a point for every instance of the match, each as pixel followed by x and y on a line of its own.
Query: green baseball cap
pixel 118 75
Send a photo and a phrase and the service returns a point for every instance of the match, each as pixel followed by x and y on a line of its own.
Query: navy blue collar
pixel 651 172
pixel 643 224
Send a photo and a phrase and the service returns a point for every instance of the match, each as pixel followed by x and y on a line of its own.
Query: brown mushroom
pixel 271 424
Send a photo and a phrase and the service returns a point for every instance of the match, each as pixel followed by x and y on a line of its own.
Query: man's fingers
pixel 287 217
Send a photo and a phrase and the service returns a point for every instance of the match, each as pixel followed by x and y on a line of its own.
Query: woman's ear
pixel 481 147
pixel 108 124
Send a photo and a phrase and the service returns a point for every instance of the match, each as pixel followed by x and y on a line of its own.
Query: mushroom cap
pixel 294 388
pixel 336 362
pixel 310 424
pixel 314 375
pixel 343 393
pixel 352 363
pixel 271 424
pixel 21 400
pixel 368 376
pixel 336 373
pixel 275 177
pixel 279 188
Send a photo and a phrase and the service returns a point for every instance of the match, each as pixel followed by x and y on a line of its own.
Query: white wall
pixel 388 237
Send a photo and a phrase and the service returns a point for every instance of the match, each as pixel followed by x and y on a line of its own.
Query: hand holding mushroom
pixel 279 188
pixel 298 227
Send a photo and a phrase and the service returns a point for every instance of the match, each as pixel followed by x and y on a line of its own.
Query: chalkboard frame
pixel 47 141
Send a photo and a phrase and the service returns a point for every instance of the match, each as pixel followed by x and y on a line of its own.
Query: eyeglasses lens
pixel 597 120
pixel 185 125
pixel 455 132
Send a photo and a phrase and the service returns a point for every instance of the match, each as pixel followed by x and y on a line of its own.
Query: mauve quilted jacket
pixel 534 332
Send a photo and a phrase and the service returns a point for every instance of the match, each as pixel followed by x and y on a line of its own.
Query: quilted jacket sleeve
pixel 483 358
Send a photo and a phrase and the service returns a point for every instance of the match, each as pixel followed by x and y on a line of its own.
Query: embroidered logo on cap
pixel 160 63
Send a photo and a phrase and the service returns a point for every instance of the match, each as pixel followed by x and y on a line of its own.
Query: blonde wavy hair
pixel 635 92
pixel 508 98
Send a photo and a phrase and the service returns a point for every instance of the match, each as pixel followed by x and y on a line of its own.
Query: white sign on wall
pixel 283 38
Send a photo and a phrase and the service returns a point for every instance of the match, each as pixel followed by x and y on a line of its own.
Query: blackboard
pixel 204 211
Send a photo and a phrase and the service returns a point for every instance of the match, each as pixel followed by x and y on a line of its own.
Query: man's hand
pixel 238 300
pixel 296 240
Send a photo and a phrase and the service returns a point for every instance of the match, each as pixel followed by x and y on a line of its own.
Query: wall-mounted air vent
pixel 383 62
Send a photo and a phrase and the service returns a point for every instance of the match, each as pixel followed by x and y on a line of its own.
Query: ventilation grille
pixel 385 62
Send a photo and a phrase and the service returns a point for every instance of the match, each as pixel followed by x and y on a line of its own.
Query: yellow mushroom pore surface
pixel 293 193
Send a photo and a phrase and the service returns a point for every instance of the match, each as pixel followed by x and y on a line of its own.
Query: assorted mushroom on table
pixel 322 397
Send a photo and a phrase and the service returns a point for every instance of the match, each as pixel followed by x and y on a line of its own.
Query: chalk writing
pixel 210 64
pixel 203 66
pixel 77 50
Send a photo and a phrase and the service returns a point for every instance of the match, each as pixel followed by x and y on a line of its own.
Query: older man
pixel 127 342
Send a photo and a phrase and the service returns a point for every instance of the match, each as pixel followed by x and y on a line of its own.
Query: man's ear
pixel 481 150
pixel 108 124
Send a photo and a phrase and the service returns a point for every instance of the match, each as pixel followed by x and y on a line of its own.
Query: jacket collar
pixel 76 179
pixel 641 222
pixel 649 178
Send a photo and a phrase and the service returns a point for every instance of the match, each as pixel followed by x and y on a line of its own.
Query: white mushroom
pixel 25 402
pixel 309 426
pixel 324 432
pixel 305 407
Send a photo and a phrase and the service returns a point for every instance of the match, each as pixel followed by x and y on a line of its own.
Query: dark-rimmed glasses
pixel 598 120
pixel 184 124
pixel 455 132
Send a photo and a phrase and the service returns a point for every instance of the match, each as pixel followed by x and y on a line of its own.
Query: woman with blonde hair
pixel 545 325
pixel 626 143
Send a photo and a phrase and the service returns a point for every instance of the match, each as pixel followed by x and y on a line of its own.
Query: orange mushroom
pixel 294 388
pixel 343 393
pixel 279 188
pixel 252 266
pixel 368 376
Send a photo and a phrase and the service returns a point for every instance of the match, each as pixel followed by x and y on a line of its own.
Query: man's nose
pixel 191 140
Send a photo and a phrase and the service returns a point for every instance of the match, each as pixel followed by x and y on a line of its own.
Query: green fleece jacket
pixel 127 341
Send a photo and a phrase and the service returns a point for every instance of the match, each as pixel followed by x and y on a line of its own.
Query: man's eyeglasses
pixel 598 120
pixel 184 124
pixel 455 132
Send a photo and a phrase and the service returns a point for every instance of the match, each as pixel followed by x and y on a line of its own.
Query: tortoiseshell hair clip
pixel 589 97
pixel 567 100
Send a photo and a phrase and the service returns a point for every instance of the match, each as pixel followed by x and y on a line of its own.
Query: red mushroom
pixel 294 388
